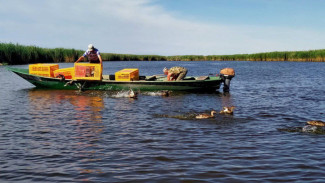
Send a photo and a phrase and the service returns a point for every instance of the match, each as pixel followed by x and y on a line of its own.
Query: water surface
pixel 103 136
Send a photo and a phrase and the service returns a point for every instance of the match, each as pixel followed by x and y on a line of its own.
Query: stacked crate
pixel 46 70
pixel 87 71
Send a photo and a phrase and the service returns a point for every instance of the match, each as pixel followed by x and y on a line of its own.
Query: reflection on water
pixel 49 108
pixel 227 100
pixel 47 100
pixel 87 108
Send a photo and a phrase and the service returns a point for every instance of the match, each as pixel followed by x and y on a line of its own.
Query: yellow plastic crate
pixel 46 70
pixel 68 73
pixel 87 71
pixel 127 75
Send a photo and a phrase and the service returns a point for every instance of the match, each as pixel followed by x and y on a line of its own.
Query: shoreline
pixel 15 54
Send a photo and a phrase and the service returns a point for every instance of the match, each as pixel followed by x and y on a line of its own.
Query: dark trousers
pixel 181 75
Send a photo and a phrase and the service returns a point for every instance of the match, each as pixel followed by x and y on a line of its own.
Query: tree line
pixel 19 54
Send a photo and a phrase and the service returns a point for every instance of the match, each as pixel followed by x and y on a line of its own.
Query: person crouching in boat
pixel 92 54
pixel 175 73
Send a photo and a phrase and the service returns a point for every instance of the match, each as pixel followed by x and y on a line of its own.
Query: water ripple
pixel 94 136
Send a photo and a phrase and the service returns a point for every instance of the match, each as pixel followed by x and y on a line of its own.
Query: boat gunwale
pixel 26 72
pixel 143 85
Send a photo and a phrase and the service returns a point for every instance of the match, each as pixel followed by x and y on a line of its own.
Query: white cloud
pixel 138 27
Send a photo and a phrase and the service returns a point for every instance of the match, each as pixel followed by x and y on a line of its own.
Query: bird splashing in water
pixel 227 110
pixel 133 94
pixel 164 93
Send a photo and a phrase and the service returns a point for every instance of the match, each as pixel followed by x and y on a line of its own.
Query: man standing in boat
pixel 175 73
pixel 92 54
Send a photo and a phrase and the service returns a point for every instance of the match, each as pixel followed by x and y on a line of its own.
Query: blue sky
pixel 166 27
pixel 293 13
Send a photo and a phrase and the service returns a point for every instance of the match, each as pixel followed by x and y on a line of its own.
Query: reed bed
pixel 130 57
pixel 302 56
pixel 19 54
pixel 12 54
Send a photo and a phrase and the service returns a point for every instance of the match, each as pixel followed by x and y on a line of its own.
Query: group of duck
pixel 166 93
pixel 314 126
pixel 225 110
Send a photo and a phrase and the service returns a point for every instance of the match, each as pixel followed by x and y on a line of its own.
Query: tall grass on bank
pixel 18 54
pixel 130 57
pixel 302 56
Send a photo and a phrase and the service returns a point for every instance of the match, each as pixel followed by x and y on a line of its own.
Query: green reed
pixel 18 54
pixel 304 56
pixel 130 57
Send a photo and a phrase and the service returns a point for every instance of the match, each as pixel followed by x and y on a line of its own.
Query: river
pixel 93 136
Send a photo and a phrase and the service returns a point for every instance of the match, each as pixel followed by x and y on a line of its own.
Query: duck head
pixel 213 112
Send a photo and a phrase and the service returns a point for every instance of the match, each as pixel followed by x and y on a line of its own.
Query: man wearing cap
pixel 175 73
pixel 93 55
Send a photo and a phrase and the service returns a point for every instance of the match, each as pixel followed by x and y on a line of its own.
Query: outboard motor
pixel 226 75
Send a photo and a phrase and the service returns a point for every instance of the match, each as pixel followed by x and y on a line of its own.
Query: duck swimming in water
pixel 316 123
pixel 205 116
pixel 227 110
pixel 133 94
pixel 315 126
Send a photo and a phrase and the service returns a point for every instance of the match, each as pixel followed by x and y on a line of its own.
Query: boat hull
pixel 211 84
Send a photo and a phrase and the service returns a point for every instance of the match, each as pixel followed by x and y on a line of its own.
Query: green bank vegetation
pixel 302 56
pixel 18 54
pixel 130 57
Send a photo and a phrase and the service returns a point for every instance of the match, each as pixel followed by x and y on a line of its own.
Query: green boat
pixel 145 83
